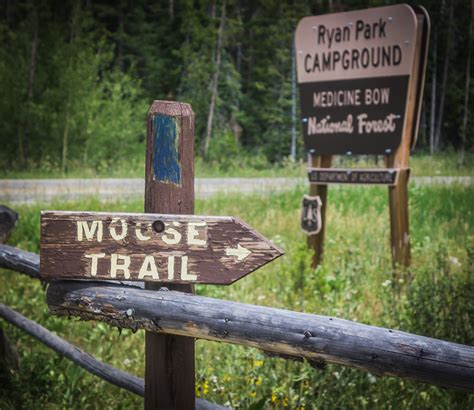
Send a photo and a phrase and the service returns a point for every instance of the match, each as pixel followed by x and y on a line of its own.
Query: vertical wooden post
pixel 399 229
pixel 398 194
pixel 169 189
pixel 316 242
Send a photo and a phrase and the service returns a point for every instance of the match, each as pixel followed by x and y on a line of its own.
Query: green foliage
pixel 71 107
pixel 356 282
pixel 439 300
pixel 224 148
pixel 77 77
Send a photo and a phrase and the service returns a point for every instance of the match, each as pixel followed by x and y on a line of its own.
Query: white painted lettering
pixel 193 233
pixel 114 265
pixel 171 231
pixel 171 267
pixel 379 126
pixel 94 261
pixel 139 234
pixel 83 229
pixel 113 231
pixel 148 268
pixel 184 270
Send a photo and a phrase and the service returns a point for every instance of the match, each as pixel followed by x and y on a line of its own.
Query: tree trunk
pixel 445 78
pixel 423 124
pixel 24 130
pixel 171 9
pixel 121 31
pixel 215 81
pixel 433 96
pixel 238 62
pixel 467 89
pixel 65 143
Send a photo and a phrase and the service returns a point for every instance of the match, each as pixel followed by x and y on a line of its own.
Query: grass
pixel 435 297
pixel 444 164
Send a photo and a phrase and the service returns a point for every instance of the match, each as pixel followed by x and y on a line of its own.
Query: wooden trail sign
pixel 148 247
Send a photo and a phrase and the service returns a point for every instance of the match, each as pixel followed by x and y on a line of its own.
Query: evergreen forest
pixel 77 78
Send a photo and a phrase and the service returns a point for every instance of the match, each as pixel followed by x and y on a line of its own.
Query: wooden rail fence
pixel 316 338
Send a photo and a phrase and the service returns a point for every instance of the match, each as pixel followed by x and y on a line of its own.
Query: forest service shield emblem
pixel 311 214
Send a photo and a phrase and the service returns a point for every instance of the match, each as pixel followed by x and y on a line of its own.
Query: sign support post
pixel 316 242
pixel 398 193
pixel 169 188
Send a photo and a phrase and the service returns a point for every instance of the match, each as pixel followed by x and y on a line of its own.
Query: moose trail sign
pixel 150 247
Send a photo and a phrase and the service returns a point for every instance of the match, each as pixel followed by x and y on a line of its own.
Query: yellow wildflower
pixel 258 363
pixel 253 394
pixel 205 387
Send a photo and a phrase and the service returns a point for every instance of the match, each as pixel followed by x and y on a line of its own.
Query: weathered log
pixel 104 371
pixel 19 261
pixel 313 337
pixel 8 220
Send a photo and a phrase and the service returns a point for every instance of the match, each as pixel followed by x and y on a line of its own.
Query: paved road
pixel 17 191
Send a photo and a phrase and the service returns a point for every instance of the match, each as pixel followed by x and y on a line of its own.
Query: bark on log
pixel 110 374
pixel 316 338
pixel 19 261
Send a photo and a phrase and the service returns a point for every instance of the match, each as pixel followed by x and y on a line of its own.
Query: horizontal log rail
pixel 301 335
pixel 20 261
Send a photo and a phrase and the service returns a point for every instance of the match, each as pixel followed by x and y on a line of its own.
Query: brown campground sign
pixel 148 247
pixel 354 72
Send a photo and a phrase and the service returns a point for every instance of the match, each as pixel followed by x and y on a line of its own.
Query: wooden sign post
pixel 169 189
pixel 167 246
pixel 361 76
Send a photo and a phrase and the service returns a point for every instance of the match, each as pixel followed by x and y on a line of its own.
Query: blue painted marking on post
pixel 166 167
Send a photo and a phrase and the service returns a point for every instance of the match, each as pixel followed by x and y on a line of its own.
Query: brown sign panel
pixel 148 247
pixel 324 176
pixel 354 70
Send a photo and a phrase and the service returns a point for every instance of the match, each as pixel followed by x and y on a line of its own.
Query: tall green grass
pixel 245 165
pixel 434 297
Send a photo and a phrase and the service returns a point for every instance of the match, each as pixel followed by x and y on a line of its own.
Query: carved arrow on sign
pixel 149 247
pixel 240 252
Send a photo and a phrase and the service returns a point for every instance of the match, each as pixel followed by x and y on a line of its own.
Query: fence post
pixel 169 189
